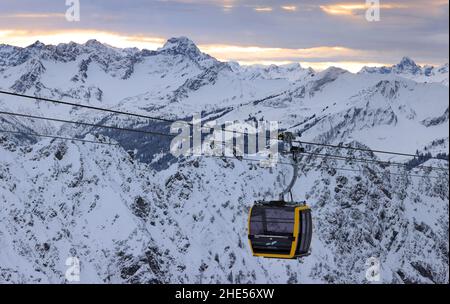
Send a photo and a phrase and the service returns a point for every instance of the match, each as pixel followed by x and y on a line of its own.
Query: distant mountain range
pixel 153 218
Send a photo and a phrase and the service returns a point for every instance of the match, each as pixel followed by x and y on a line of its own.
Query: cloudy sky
pixel 316 33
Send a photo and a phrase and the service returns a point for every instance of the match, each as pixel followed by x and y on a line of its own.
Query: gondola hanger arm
pixel 288 138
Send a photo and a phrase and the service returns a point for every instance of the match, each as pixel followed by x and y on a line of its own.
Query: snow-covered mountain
pixel 407 68
pixel 148 217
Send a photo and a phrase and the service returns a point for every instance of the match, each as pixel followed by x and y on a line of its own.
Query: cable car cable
pixel 363 149
pixel 84 106
pixel 59 137
pixel 212 156
pixel 262 243
pixel 173 135
pixel 86 124
pixel 172 121
pixel 387 163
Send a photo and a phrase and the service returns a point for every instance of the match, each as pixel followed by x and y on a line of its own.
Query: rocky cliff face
pixel 151 218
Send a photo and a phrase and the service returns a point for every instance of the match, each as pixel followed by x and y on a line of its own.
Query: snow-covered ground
pixel 153 218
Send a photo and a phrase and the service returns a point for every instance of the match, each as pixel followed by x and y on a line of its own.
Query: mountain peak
pixel 181 46
pixel 179 42
pixel 443 68
pixel 407 65
pixel 406 61
pixel 37 44
pixel 94 43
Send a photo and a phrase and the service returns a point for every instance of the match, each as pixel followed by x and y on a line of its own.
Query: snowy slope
pixel 187 224
pixel 153 218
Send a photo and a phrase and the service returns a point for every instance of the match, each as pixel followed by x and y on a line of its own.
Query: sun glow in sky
pixel 314 33
pixel 245 55
pixel 24 38
pixel 354 8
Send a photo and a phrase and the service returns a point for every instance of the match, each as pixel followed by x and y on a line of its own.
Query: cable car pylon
pixel 281 228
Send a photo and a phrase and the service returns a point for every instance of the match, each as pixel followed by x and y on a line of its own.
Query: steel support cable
pixel 173 135
pixel 172 121
pixel 212 156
